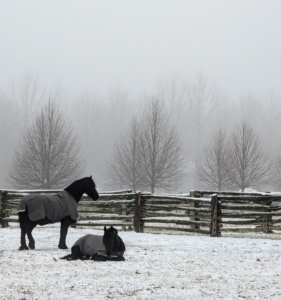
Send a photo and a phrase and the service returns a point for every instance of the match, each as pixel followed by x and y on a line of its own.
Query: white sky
pixel 95 45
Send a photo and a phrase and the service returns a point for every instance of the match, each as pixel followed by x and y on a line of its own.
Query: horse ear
pixel 91 177
pixel 104 228
pixel 111 228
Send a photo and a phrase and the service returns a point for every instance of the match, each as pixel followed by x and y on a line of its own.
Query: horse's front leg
pixel 29 229
pixel 23 245
pixel 118 258
pixel 23 218
pixel 97 257
pixel 65 222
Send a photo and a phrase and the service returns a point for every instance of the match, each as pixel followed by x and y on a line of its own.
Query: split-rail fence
pixel 199 212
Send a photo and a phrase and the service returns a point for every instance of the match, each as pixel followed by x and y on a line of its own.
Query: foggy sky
pixel 95 45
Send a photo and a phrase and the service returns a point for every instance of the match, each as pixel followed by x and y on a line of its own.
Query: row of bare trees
pixel 149 144
pixel 147 156
pixel 237 161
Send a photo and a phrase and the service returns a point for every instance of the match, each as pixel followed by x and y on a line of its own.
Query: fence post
pixel 214 232
pixel 137 213
pixel 193 213
pixel 267 220
pixel 124 212
pixel 3 212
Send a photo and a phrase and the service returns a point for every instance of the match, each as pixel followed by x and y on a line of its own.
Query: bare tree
pixel 249 109
pixel 200 99
pixel 249 165
pixel 118 106
pixel 171 92
pixel 89 119
pixel 27 96
pixel 7 135
pixel 149 154
pixel 124 167
pixel 269 122
pixel 276 172
pixel 161 151
pixel 212 169
pixel 48 156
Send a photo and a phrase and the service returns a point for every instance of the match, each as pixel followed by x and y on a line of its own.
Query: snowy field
pixel 156 267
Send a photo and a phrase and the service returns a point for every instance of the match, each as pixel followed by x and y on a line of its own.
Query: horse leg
pixel 75 253
pixel 97 257
pixel 65 222
pixel 118 258
pixel 29 229
pixel 23 218
pixel 23 245
pixel 66 257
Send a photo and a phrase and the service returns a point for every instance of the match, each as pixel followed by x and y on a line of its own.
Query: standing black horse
pixel 110 246
pixel 39 209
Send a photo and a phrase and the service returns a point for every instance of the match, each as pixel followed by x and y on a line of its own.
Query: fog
pixel 104 60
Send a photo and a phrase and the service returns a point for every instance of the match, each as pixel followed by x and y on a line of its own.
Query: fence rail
pixel 203 212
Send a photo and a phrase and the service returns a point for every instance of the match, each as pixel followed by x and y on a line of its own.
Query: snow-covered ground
pixel 157 266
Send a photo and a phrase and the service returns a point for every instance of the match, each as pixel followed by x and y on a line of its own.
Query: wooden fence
pixel 200 212
pixel 179 212
pixel 114 208
pixel 244 212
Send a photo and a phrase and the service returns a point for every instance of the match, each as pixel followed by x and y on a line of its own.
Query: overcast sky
pixel 96 45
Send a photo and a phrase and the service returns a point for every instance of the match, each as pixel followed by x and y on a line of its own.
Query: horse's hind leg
pixel 66 257
pixel 75 253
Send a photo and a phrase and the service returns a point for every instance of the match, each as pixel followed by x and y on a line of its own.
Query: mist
pixel 213 64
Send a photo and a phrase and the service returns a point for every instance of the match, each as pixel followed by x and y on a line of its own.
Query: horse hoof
pixel 31 247
pixel 62 247
pixel 23 248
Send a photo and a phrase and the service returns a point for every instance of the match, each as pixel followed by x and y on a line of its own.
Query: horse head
pixel 90 188
pixel 108 240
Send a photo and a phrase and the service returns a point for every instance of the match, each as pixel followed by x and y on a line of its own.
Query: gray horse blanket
pixel 54 207
pixel 91 244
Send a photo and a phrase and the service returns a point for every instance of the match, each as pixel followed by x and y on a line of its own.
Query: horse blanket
pixel 91 244
pixel 54 207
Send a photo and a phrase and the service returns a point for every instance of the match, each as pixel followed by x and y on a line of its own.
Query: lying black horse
pixel 99 248
pixel 39 209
